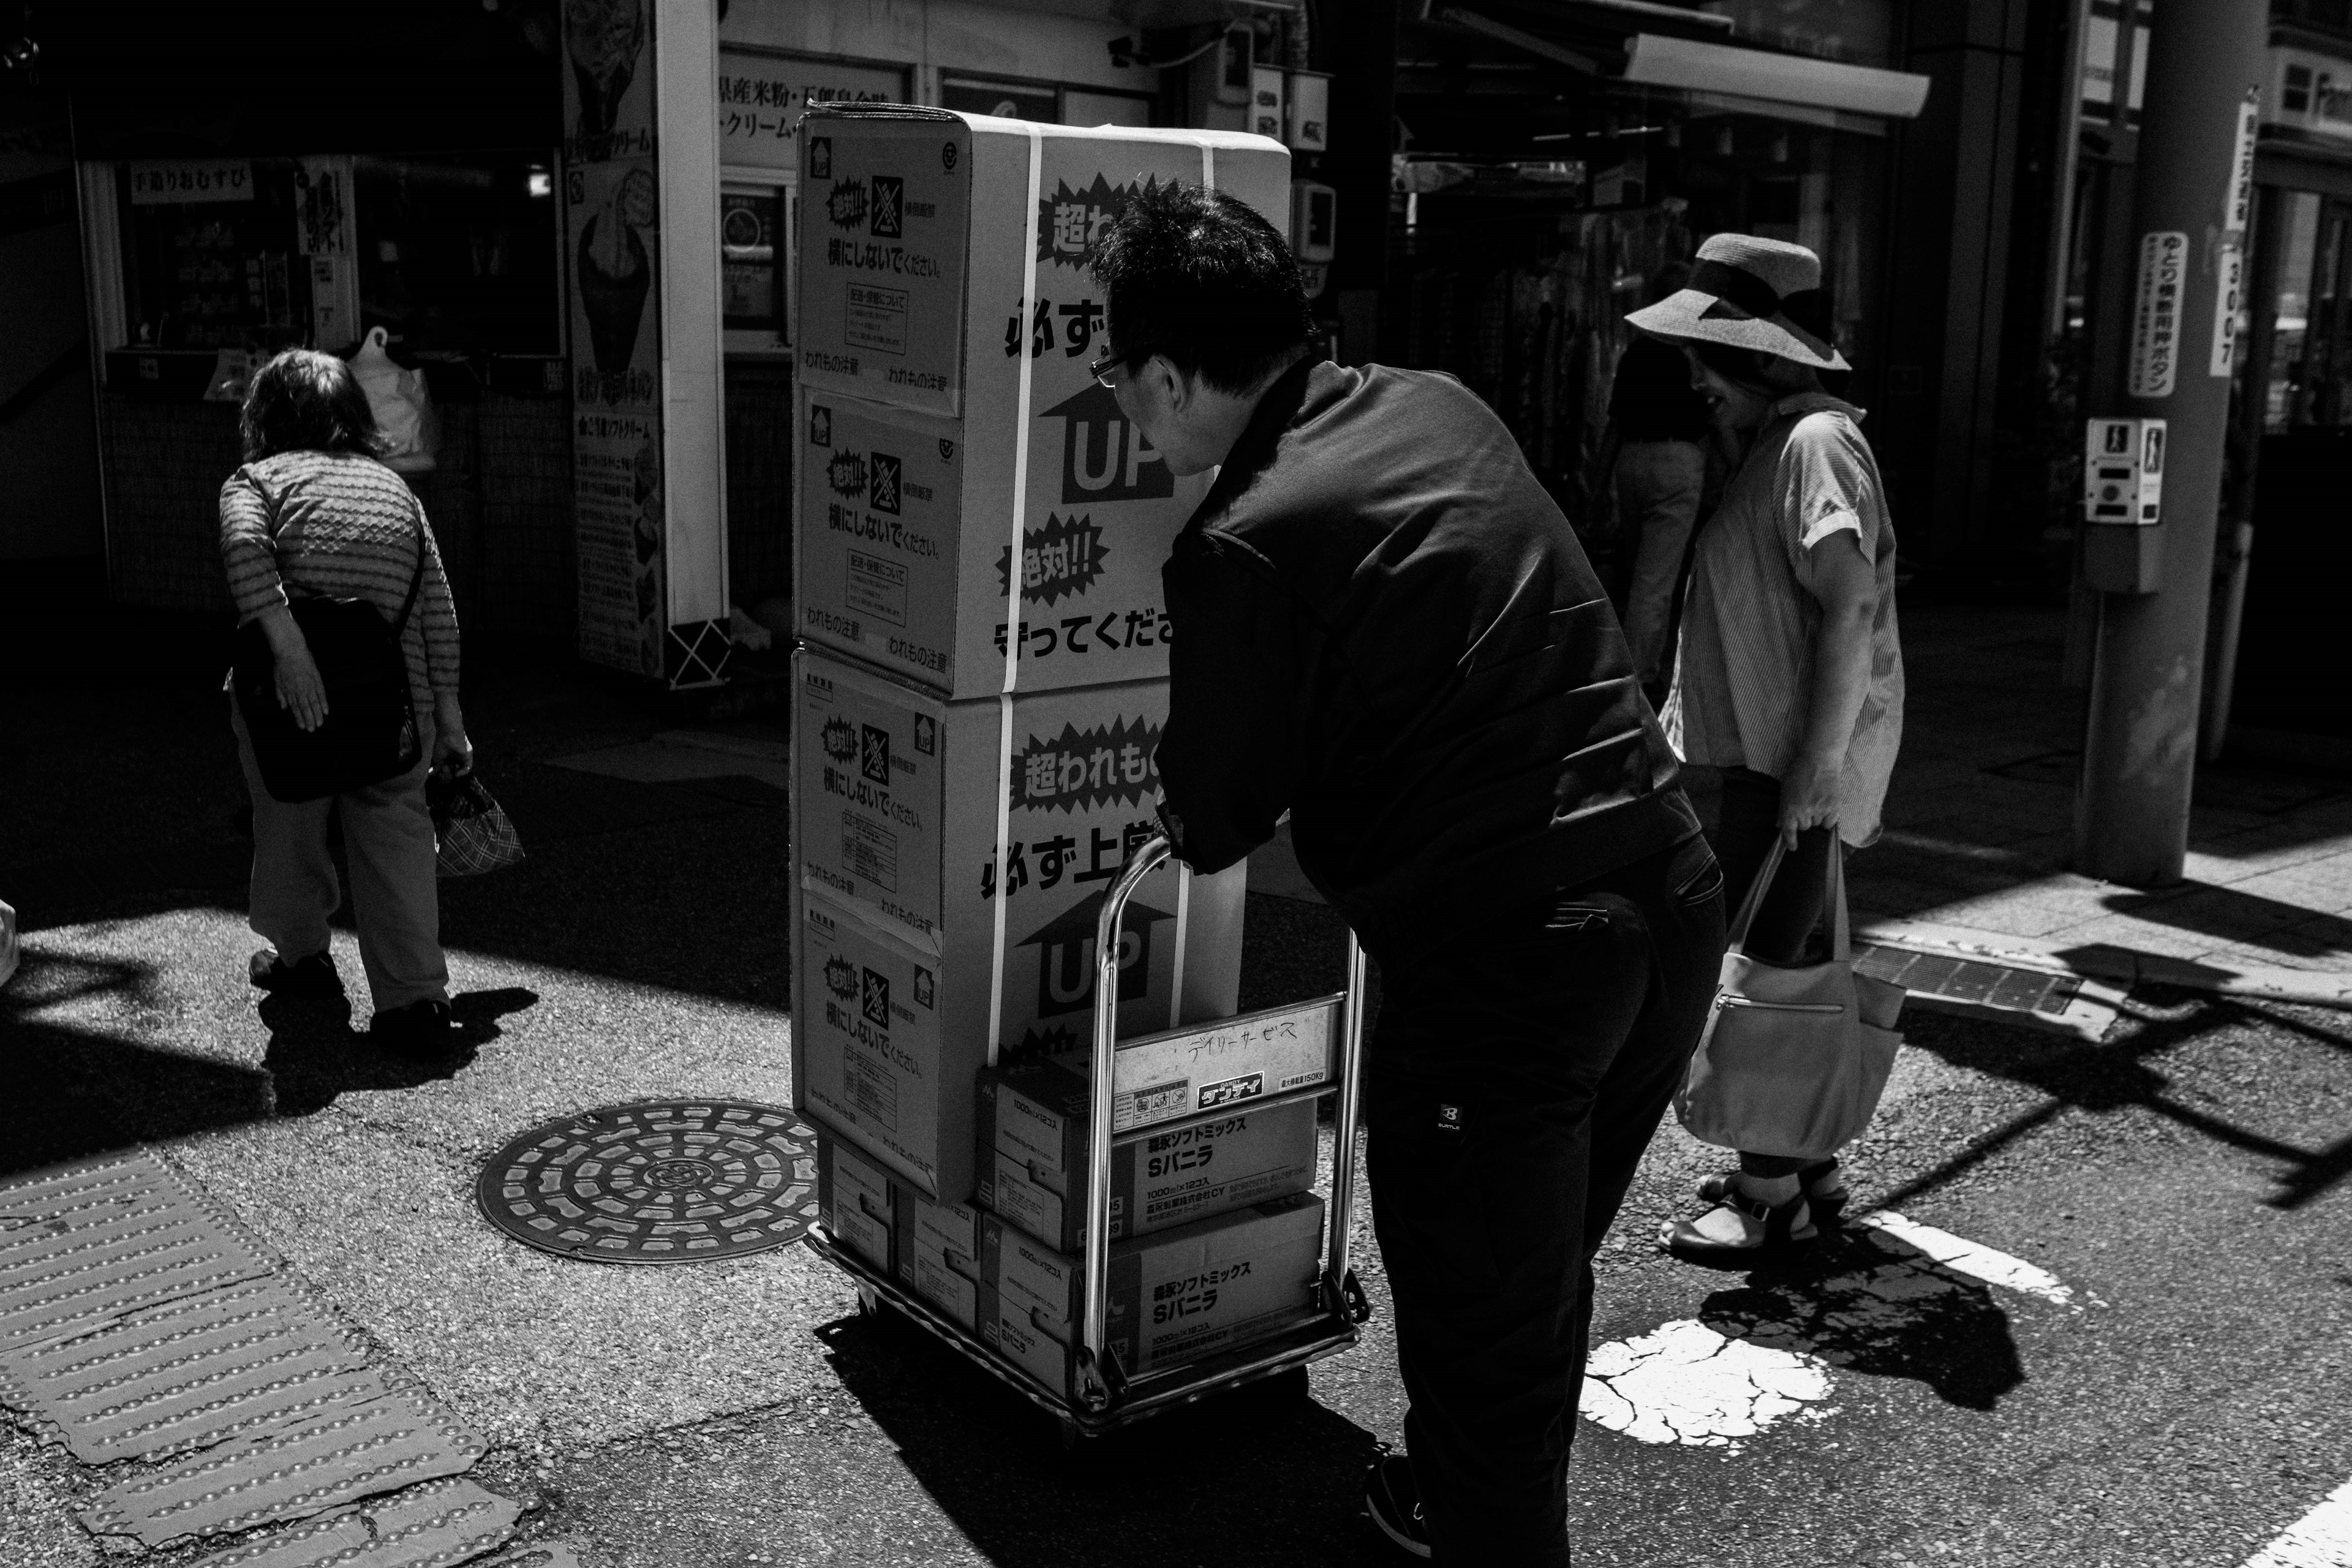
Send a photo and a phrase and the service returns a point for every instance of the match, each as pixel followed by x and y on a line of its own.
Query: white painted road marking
pixel 1963 1257
pixel 2320 1539
pixel 1686 1384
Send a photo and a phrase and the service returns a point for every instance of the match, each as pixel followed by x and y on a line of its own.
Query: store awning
pixel 1696 66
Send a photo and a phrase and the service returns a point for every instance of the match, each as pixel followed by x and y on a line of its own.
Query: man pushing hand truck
pixel 1383 627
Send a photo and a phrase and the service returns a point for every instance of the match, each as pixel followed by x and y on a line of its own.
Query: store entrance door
pixel 2297 635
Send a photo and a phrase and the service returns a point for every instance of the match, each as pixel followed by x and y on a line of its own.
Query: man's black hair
pixel 304 401
pixel 1199 277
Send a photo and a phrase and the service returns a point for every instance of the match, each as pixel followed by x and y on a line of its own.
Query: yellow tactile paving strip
pixel 190 1374
pixel 83 1245
pixel 431 1526
pixel 140 1323
pixel 340 1454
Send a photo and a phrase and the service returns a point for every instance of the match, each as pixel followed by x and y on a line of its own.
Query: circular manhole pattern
pixel 670 1180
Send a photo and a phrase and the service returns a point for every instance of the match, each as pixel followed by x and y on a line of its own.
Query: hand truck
pixel 1106 1397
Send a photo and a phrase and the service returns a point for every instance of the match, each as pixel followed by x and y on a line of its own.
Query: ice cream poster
pixel 612 237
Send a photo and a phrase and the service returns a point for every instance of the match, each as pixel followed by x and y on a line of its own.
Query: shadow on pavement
pixel 1260 1475
pixel 1873 1304
pixel 2121 1076
pixel 74 1093
pixel 315 1055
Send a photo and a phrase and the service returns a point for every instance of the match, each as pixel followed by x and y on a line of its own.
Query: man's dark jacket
pixel 1384 626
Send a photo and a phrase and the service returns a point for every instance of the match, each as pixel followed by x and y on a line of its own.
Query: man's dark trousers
pixel 1517 1072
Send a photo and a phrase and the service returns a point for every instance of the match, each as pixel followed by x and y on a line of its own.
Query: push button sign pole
pixel 2207 62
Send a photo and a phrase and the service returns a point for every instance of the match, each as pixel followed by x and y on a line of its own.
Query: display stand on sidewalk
pixel 1105 1397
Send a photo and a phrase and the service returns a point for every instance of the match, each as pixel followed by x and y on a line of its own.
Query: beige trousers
pixel 388 840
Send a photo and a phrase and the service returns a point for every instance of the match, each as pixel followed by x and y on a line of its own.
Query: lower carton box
pixel 1175 1297
pixel 856 1201
pixel 938 1254
pixel 1208 1067
pixel 1031 1155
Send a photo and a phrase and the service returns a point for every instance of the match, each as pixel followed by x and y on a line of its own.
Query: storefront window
pixel 753 260
pixel 211 254
pixel 2304 382
pixel 457 253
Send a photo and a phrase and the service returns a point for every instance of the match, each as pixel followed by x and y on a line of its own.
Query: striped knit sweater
pixel 340 526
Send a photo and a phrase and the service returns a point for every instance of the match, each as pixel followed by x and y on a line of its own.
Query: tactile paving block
pixel 81 1246
pixel 196 1373
pixel 432 1526
pixel 336 1455
pixel 538 1554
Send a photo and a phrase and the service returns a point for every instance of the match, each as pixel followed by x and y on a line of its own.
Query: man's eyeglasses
pixel 1103 369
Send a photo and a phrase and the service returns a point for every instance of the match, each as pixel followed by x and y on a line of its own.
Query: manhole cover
pixel 666 1182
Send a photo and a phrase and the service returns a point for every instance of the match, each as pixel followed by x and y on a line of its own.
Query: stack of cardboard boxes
pixel 981 693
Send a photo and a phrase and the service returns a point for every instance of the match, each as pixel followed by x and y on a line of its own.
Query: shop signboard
pixel 763 95
pixel 2311 93
pixel 179 182
pixel 613 239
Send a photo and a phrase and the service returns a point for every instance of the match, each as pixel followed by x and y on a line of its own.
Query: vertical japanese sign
pixel 2229 254
pixel 2156 313
pixel 613 238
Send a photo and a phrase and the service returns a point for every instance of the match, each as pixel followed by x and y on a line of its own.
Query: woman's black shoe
pixel 418 1029
pixel 312 978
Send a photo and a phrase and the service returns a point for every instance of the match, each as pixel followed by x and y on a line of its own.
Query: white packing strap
pixel 1184 872
pixel 1183 928
pixel 1013 638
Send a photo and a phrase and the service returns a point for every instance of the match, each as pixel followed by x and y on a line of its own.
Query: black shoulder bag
pixel 369 734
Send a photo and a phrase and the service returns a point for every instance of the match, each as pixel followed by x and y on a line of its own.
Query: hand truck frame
pixel 1108 1398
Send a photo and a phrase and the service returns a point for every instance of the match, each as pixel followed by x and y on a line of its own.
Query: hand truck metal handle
pixel 1102 1375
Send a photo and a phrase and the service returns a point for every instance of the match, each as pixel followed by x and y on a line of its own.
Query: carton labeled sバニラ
pixel 938 1254
pixel 1033 1137
pixel 1176 1296
pixel 919 238
pixel 856 1201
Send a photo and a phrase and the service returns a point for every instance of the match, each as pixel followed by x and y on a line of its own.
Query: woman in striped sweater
pixel 312 513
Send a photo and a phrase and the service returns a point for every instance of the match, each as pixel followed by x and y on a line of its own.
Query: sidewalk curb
pixel 2119 966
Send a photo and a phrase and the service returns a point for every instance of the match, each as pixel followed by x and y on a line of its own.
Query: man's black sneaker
pixel 418 1029
pixel 1394 1503
pixel 314 977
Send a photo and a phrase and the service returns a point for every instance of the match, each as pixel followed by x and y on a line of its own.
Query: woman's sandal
pixel 1825 1191
pixel 1759 1231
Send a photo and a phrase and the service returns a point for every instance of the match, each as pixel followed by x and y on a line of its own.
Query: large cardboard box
pixel 916 232
pixel 1031 1159
pixel 1175 1297
pixel 900 561
pixel 898 818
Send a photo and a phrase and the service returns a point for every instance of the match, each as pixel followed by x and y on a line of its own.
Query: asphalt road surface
pixel 2141 1355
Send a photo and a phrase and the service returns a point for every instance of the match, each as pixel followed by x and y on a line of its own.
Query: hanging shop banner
pixel 761 96
pixel 2156 312
pixel 613 238
pixel 184 180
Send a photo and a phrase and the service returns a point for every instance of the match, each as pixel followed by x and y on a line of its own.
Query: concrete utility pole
pixel 2206 60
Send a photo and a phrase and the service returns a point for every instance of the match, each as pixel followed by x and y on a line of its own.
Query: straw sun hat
pixel 1741 293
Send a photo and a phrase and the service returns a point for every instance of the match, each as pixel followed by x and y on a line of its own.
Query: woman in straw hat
pixel 1789 677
